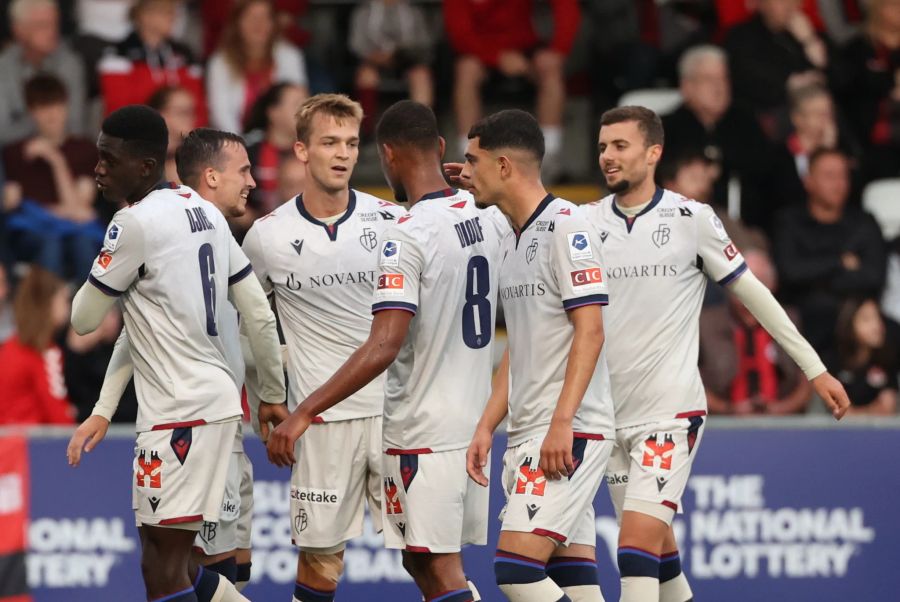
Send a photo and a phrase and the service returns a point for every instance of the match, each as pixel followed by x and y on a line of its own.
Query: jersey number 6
pixel 207 270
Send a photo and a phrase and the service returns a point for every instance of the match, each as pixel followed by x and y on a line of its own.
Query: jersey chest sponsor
pixel 299 281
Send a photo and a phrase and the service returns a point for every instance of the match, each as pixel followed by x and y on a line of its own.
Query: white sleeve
pixel 400 265
pixel 762 304
pixel 258 322
pixel 253 248
pixel 89 307
pixel 577 263
pixel 118 374
pixel 722 260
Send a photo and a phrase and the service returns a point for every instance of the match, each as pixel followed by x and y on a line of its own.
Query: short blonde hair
pixel 338 106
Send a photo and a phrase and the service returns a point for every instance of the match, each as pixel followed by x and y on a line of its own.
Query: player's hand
pixel 274 413
pixel 453 172
pixel 832 393
pixel 477 456
pixel 283 439
pixel 556 451
pixel 86 437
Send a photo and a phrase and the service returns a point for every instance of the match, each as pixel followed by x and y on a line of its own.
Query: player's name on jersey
pixel 198 219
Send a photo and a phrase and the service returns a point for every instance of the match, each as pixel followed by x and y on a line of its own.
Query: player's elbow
pixel 386 351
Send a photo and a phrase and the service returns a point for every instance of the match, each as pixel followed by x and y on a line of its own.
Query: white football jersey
pixel 323 277
pixel 440 263
pixel 656 268
pixel 552 266
pixel 170 258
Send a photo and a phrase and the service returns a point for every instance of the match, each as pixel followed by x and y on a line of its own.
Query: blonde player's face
pixel 234 180
pixel 331 153
pixel 625 158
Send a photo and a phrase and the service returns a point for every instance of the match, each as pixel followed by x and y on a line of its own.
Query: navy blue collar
pixel 331 230
pixel 629 221
pixel 438 194
pixel 164 185
pixel 538 210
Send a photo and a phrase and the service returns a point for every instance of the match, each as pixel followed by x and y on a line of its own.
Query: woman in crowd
pixel 249 60
pixel 31 363
pixel 864 362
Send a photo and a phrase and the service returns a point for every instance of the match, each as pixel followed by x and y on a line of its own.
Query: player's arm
pixel 386 337
pixel 494 412
pixel 117 266
pixel 724 263
pixel 118 374
pixel 576 262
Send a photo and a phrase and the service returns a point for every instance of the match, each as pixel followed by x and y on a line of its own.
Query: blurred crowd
pixel 782 114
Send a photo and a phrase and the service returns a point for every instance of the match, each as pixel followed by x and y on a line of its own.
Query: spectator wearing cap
pixel 37 48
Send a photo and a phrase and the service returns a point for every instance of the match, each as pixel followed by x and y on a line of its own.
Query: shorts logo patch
pixel 532 510
pixel 301 521
pixel 391 497
pixel 730 251
pixel 693 432
pixel 315 496
pixel 149 470
pixel 530 480
pixel 409 467
pixel 181 443
pixel 659 449
pixel 580 246
pixel 208 531
pixel 402 527
pixel 154 503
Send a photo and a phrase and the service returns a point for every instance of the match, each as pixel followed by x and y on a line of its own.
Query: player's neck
pixel 423 180
pixel 321 203
pixel 145 190
pixel 521 203
pixel 637 195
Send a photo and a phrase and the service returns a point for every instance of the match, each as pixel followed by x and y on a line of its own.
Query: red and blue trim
pixel 629 221
pixel 383 305
pixel 103 288
pixel 569 304
pixel 439 194
pixel 734 275
pixel 243 273
pixel 331 230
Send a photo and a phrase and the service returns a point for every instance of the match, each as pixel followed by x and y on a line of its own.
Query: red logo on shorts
pixel 149 470
pixel 588 276
pixel 390 281
pixel 391 497
pixel 662 450
pixel 730 251
pixel 533 476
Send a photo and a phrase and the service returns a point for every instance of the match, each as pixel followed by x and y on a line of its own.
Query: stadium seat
pixel 660 100
pixel 881 198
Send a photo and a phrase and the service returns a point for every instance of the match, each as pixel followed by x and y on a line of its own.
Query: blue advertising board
pixel 780 513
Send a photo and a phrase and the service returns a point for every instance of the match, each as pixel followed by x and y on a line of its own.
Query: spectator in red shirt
pixel 270 142
pixel 179 108
pixel 148 59
pixel 31 364
pixel 498 35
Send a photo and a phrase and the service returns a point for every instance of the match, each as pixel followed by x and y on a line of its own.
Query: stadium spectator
pixel 709 123
pixel 37 48
pixel 498 37
pixel 148 59
pixel 251 57
pixel 288 13
pixel 31 364
pixel 814 123
pixel 827 252
pixel 50 182
pixel 775 48
pixel 271 141
pixel 865 361
pixel 179 108
pixel 390 38
pixel 291 179
pixel 86 358
pixel 744 370
pixel 7 326
pixel 871 88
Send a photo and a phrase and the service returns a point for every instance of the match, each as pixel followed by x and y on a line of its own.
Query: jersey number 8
pixel 476 316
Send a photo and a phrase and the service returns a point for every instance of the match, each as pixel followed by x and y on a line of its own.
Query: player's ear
pixel 505 166
pixel 211 177
pixel 148 167
pixel 442 146
pixel 301 151
pixel 388 153
pixel 654 152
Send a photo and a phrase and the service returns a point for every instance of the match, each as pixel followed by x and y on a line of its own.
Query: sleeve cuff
pixel 569 304
pixel 734 275
pixel 235 278
pixel 106 290
pixel 410 307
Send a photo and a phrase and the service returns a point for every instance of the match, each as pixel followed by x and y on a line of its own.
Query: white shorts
pixel 431 504
pixel 245 520
pixel 221 537
pixel 338 470
pixel 179 475
pixel 562 510
pixel 650 466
